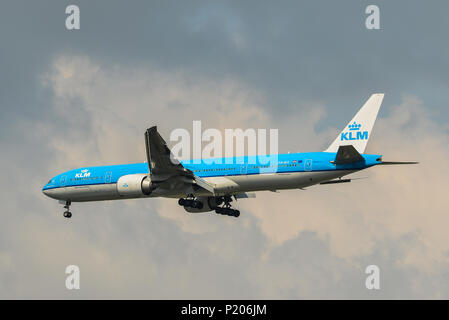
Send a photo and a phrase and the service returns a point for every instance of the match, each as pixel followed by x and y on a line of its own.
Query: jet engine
pixel 135 185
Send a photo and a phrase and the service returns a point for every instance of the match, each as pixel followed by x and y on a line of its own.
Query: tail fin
pixel 358 130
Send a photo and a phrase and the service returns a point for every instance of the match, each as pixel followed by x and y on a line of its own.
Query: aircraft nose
pixel 52 190
pixel 45 188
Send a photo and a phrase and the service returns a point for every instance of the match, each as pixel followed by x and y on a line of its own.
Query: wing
pixel 165 168
pixel 161 162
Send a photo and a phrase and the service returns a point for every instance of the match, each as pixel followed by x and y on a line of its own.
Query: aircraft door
pixel 107 177
pixel 308 165
pixel 63 180
pixel 243 169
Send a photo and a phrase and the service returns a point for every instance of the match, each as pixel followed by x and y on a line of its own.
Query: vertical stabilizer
pixel 358 130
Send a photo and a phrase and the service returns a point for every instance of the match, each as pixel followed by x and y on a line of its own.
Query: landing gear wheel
pixel 226 208
pixel 197 205
pixel 190 203
pixel 67 214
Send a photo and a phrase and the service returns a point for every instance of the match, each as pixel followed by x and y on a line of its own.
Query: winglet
pixel 147 146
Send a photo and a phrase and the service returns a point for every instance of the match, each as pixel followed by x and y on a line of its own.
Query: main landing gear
pixel 67 213
pixel 190 203
pixel 226 209
pixel 211 203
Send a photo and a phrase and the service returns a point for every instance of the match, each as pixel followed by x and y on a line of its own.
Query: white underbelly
pixel 273 181
pixel 86 193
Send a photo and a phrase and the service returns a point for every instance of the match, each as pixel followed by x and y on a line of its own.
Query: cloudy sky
pixel 75 98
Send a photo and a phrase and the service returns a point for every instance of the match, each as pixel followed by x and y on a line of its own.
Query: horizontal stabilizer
pixel 342 180
pixel 347 154
pixel 398 162
pixel 336 181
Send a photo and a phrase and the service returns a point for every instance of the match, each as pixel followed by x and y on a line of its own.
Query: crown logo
pixel 85 170
pixel 354 126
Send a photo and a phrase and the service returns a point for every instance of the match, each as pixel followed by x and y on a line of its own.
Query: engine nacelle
pixel 134 185
pixel 209 204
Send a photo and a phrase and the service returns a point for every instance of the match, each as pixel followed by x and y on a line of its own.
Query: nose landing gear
pixel 67 213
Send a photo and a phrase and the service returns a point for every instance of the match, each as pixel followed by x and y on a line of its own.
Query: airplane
pixel 203 187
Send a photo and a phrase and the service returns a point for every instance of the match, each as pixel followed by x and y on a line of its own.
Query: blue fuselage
pixel 244 169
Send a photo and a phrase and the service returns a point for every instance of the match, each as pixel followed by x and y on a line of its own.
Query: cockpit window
pixel 49 181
